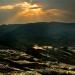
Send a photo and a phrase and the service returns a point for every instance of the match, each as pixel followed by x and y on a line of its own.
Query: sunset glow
pixel 32 12
pixel 6 7
pixel 27 8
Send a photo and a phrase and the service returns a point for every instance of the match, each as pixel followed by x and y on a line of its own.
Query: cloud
pixel 6 7
pixel 25 12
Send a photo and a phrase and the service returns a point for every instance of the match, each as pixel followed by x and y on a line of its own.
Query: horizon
pixel 37 22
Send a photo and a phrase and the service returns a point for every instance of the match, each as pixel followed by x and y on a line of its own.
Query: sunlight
pixel 30 12
pixel 30 8
pixel 7 7
pixel 27 10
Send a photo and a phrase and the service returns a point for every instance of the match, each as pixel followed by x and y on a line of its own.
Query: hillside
pixel 45 48
pixel 20 35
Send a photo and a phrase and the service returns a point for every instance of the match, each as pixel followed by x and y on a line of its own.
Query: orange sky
pixel 28 12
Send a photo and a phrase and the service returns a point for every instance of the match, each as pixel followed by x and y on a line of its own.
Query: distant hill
pixel 20 35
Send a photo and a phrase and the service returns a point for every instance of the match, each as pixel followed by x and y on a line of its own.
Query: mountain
pixel 21 35
pixel 16 42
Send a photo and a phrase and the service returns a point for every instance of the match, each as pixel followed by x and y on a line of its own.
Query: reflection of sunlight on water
pixel 20 73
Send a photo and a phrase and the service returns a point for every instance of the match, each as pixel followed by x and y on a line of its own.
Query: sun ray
pixel 27 10
pixel 34 12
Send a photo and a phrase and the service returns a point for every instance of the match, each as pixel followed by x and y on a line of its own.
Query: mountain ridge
pixel 53 22
pixel 56 33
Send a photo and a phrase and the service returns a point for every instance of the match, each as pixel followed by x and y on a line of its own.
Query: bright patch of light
pixel 7 7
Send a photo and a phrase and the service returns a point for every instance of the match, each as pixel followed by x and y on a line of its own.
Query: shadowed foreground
pixel 38 49
pixel 33 61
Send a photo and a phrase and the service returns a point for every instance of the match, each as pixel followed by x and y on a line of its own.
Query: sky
pixel 31 11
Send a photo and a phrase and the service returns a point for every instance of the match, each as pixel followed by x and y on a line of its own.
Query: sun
pixel 27 11
pixel 25 7
pixel 29 8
